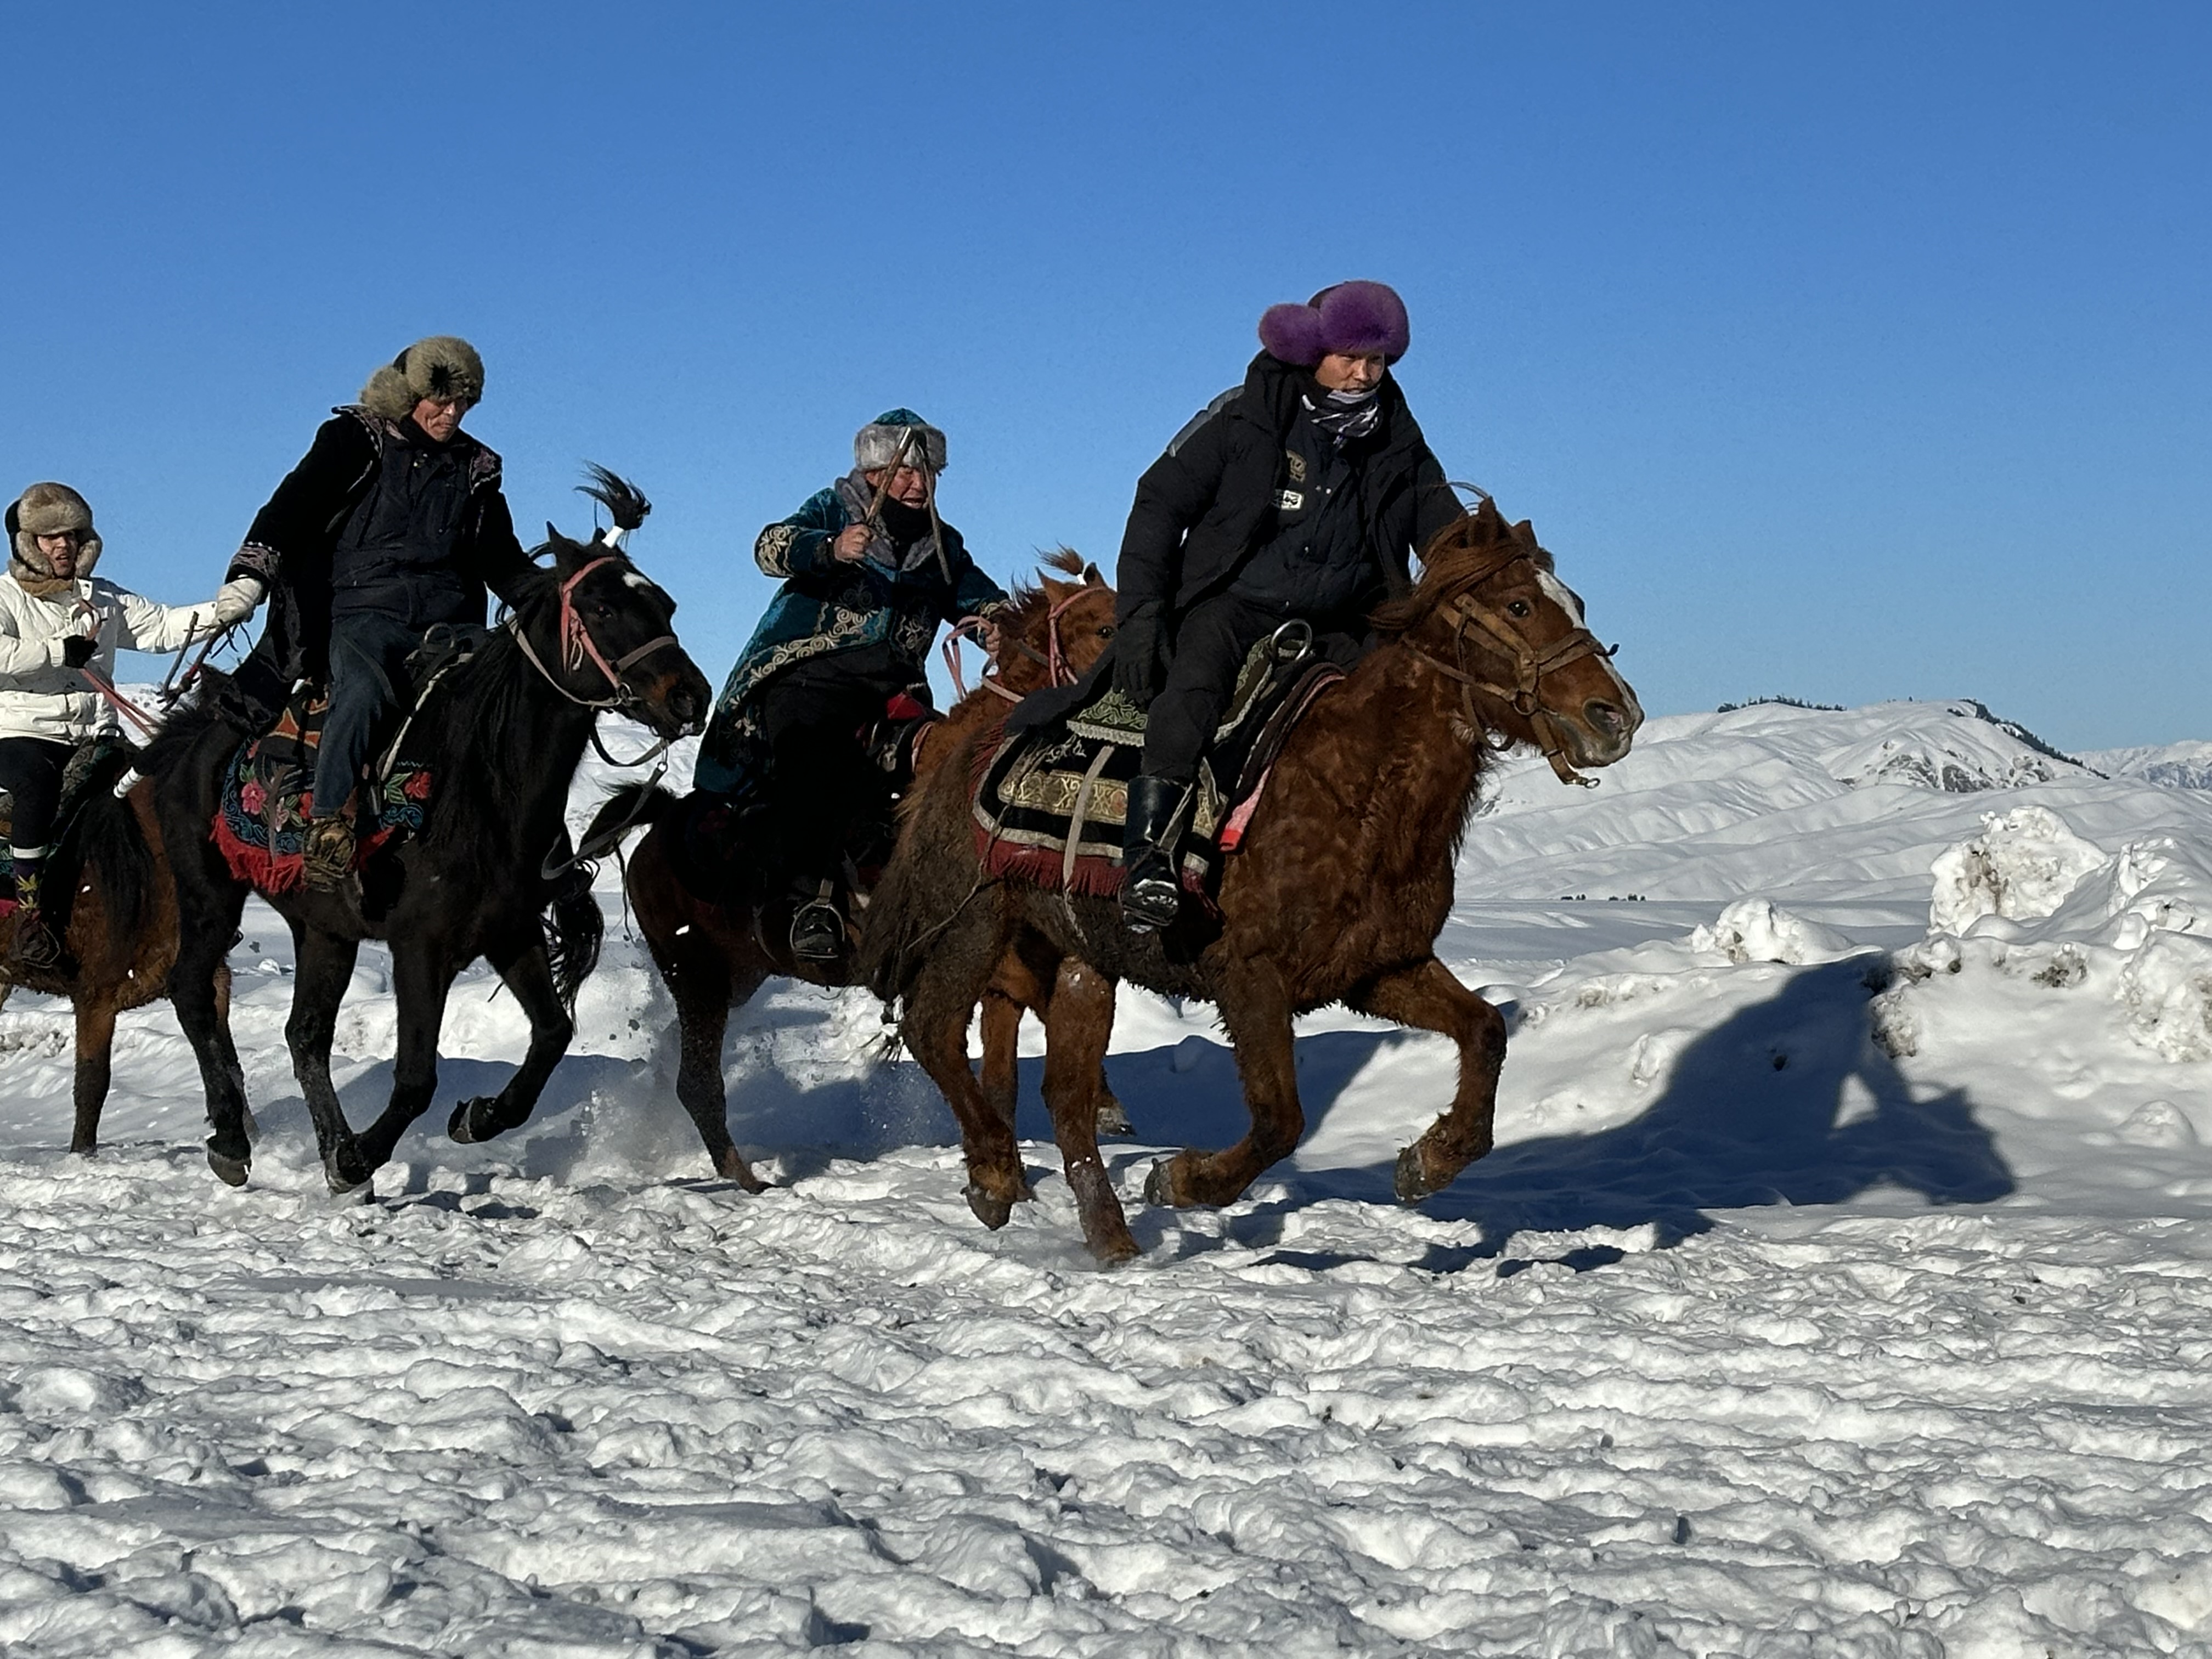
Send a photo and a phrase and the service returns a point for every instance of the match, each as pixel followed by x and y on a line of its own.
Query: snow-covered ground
pixel 1842 1285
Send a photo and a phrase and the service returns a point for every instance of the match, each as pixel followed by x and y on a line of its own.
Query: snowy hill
pixel 1838 1286
pixel 2172 765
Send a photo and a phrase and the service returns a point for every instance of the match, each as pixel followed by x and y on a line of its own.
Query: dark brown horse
pixel 713 959
pixel 120 939
pixel 1337 895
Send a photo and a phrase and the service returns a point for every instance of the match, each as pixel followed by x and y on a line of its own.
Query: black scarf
pixel 1344 416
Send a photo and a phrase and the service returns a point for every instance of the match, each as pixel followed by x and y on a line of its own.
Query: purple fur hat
pixel 1352 317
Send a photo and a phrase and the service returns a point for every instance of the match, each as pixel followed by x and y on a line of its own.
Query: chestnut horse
pixel 120 937
pixel 1337 895
pixel 714 957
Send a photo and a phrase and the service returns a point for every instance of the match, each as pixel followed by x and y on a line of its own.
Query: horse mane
pixel 1452 561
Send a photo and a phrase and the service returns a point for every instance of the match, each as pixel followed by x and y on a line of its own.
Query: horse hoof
pixel 1112 1252
pixel 732 1166
pixel 345 1172
pixel 1413 1182
pixel 1114 1122
pixel 231 1171
pixel 1160 1185
pixel 991 1210
pixel 473 1121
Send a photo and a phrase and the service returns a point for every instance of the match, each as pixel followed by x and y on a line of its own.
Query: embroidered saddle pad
pixel 96 763
pixel 1050 806
pixel 268 796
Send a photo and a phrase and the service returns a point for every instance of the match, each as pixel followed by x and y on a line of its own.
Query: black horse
pixel 502 733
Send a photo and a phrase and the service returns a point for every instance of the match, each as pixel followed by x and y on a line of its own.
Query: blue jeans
pixel 369 675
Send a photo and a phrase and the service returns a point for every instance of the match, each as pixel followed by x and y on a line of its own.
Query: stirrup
pixel 817 931
pixel 1152 898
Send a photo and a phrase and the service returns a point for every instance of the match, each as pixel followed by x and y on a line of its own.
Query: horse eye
pixel 1518 608
pixel 602 609
pixel 1107 632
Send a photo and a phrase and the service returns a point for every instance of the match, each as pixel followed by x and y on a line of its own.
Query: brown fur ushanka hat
pixel 48 509
pixel 442 366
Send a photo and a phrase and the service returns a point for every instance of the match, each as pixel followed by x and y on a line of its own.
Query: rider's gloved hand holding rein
pixel 57 619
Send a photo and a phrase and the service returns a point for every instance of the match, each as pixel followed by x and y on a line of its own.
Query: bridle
pixel 1470 617
pixel 579 647
pixel 1053 659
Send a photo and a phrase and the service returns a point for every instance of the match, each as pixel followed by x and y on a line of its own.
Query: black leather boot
pixel 1150 895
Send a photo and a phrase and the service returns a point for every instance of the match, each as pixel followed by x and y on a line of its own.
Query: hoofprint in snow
pixel 1840 1285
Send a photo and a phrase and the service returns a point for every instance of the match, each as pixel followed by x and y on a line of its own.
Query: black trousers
pixel 369 677
pixel 1211 643
pixel 827 797
pixel 31 772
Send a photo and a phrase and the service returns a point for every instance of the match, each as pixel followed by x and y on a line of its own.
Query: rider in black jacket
pixel 392 523
pixel 1296 495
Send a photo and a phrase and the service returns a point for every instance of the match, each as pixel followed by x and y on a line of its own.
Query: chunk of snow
pixel 1759 930
pixel 2023 865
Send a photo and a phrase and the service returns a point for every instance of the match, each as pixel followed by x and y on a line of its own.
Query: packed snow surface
pixel 1839 1285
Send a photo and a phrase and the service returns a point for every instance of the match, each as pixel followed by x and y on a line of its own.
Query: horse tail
pixel 634 805
pixel 575 928
pixel 103 842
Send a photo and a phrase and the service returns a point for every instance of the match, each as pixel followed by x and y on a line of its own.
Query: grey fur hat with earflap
pixel 441 366
pixel 876 445
pixel 48 509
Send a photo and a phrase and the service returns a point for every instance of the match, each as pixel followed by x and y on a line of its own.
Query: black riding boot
pixel 35 948
pixel 1150 895
pixel 818 931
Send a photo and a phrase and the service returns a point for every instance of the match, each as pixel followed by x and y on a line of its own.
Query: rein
pixel 1470 616
pixel 1053 659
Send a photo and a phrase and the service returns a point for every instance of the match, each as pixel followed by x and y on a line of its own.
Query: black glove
pixel 1137 654
pixel 76 650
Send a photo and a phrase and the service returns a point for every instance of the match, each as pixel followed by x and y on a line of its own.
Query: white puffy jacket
pixel 41 698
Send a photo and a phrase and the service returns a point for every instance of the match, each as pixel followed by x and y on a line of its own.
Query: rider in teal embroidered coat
pixel 917 574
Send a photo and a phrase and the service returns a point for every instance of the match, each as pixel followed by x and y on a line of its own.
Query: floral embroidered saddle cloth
pixel 268 796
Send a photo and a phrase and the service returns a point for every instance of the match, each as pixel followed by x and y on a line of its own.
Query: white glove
pixel 235 601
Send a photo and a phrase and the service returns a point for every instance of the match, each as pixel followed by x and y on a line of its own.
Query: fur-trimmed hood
pixel 48 509
pixel 441 366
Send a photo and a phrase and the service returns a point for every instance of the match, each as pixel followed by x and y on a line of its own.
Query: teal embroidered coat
pixel 826 605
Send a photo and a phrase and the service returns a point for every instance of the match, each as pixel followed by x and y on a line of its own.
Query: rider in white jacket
pixel 59 624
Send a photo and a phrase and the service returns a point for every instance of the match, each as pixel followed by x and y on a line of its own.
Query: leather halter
pixel 1470 616
pixel 578 647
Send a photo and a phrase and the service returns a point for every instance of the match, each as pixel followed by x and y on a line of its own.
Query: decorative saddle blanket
pixel 1051 806
pixel 268 796
pixel 95 764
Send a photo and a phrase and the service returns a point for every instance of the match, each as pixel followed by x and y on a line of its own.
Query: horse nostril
pixel 1602 716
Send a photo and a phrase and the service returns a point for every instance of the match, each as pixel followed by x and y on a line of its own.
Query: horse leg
pixel 319 985
pixel 1002 1029
pixel 1015 985
pixel 1428 998
pixel 96 1042
pixel 1257 1012
pixel 420 979
pixel 935 1028
pixel 199 984
pixel 707 985
pixel 1077 1027
pixel 529 975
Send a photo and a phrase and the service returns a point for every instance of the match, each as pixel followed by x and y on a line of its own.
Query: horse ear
pixel 1091 578
pixel 1525 533
pixel 1057 592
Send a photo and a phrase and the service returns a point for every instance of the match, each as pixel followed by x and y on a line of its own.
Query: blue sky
pixel 1843 353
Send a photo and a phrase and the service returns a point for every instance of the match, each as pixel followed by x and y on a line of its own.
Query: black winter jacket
pixel 1206 504
pixel 294 540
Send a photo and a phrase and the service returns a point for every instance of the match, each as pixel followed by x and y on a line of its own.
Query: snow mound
pixel 2023 865
pixel 2031 899
pixel 1759 930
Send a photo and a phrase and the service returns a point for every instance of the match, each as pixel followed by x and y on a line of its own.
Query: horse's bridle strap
pixel 1471 616
pixel 578 647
